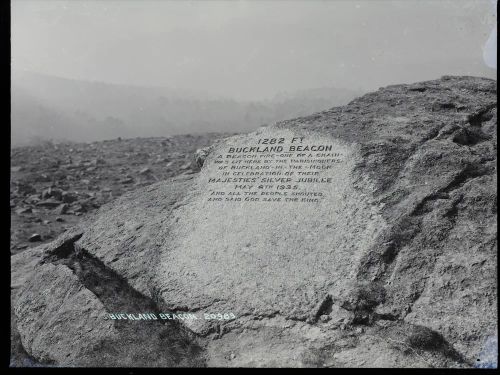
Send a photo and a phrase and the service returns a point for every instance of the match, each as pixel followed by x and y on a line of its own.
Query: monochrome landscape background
pixel 95 70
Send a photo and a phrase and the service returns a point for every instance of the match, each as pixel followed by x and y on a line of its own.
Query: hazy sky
pixel 252 49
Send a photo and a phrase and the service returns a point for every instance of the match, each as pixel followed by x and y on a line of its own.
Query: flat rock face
pixel 269 232
pixel 353 237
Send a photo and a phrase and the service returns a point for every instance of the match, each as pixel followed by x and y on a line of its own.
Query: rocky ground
pixel 53 185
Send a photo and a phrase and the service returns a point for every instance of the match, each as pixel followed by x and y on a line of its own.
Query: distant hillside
pixel 47 107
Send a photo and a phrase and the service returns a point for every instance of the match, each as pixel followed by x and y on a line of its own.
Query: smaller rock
pixel 61 209
pixel 60 219
pixel 78 208
pixel 324 318
pixel 46 194
pixel 24 210
pixel 98 161
pixel 338 315
pixel 35 238
pixel 127 180
pixel 48 203
pixel 57 194
pixel 16 169
pixel 32 199
pixel 69 197
pixel 52 193
pixel 360 330
pixel 160 160
pixel 200 156
pixel 43 177
pixel 185 166
pixel 145 171
pixel 25 189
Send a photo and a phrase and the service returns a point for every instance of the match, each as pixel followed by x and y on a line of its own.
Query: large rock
pixel 364 235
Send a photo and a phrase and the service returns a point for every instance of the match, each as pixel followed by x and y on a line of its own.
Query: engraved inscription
pixel 289 169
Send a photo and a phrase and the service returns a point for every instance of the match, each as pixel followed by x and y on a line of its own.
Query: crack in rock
pixel 143 342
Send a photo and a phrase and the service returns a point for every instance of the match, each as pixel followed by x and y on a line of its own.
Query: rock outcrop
pixel 384 254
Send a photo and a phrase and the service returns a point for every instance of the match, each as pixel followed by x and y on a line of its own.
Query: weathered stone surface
pixel 22 266
pixel 381 270
pixel 71 293
pixel 84 323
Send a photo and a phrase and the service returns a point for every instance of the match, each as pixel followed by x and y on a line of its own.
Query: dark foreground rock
pixel 384 257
